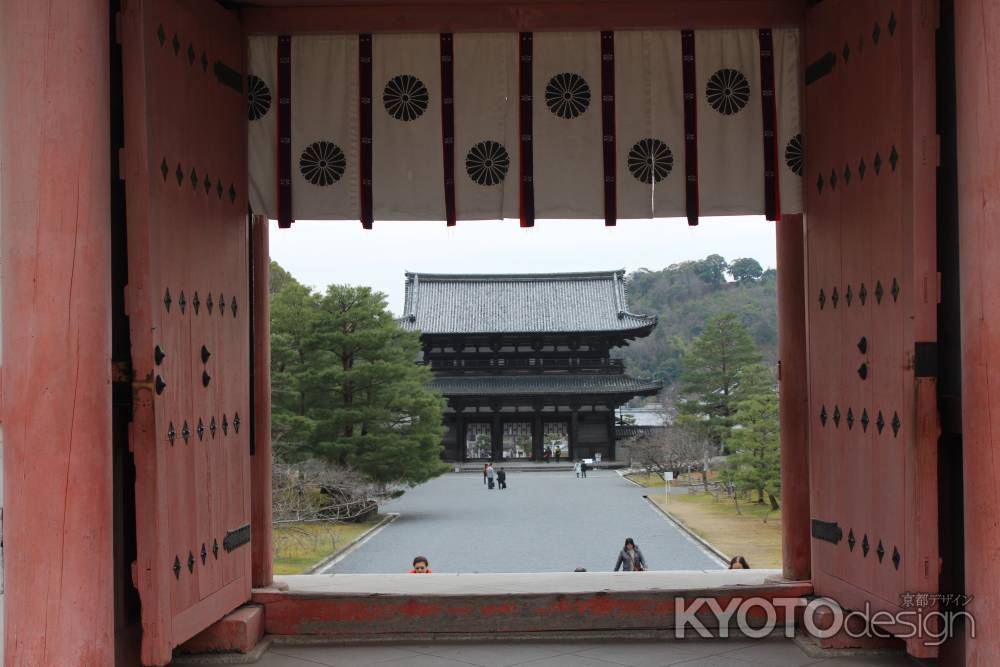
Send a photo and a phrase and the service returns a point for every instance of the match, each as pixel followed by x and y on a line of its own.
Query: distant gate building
pixel 524 360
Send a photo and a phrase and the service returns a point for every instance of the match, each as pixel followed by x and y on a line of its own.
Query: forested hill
pixel 684 296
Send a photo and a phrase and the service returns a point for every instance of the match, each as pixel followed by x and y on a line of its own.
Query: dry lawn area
pixel 300 546
pixel 655 480
pixel 718 523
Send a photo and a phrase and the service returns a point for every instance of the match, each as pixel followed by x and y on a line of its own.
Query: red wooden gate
pixel 873 292
pixel 185 174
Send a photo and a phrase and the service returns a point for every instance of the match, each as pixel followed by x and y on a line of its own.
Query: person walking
pixel 547 454
pixel 558 453
pixel 630 558
pixel 738 563
pixel 489 475
pixel 583 469
pixel 485 466
pixel 501 479
pixel 577 468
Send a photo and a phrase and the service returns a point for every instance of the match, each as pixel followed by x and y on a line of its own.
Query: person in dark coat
pixel 485 466
pixel 630 558
pixel 583 469
pixel 501 479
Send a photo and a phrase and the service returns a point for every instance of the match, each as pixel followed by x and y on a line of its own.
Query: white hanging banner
pixel 649 103
pixel 325 127
pixel 730 122
pixel 487 149
pixel 791 159
pixel 407 154
pixel 262 130
pixel 566 118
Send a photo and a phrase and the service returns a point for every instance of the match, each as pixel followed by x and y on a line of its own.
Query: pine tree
pixel 755 441
pixel 718 361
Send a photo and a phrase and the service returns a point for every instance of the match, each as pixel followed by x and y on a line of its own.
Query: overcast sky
pixel 322 253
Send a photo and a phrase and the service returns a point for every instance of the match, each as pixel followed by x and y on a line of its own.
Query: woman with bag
pixel 630 558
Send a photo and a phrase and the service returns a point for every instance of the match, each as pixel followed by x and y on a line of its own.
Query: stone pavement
pixel 685 653
pixel 543 522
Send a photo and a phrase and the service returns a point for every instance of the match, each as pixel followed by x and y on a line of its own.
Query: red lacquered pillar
pixel 793 398
pixel 55 254
pixel 260 462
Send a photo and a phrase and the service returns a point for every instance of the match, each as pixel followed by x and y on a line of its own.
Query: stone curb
pixel 355 543
pixel 690 533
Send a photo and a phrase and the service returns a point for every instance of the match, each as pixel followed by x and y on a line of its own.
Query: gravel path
pixel 543 522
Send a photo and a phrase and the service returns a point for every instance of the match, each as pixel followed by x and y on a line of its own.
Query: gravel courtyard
pixel 543 522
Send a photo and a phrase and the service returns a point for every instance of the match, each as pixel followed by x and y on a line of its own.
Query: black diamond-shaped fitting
pixel 894 290
pixel 896 424
pixel 236 422
pixel 158 355
pixel 179 174
pixel 878 291
pixel 222 304
pixel 167 300
pixel 200 430
pixel 862 168
pixel 850 419
pixel 164 168
pixel 171 433
pixel 877 163
pixel 182 302
pixel 205 354
pixel 208 184
pixel 846 52
pixel 218 189
pixel 847 174
pixel 862 294
pixel 194 179
pixel 863 345
pixel 225 424
pixel 215 549
pixel 864 420
pixel 209 304
pixel 191 54
pixel 876 33
pixel 893 157
pixel 232 193
pixel 880 422
pixel 880 551
pixel 212 427
pixel 205 378
pixel 851 541
pixel 161 35
pixel 848 296
pixel 204 553
pixel 190 562
pixel 822 416
pixel 896 558
pixel 822 298
pixel 185 432
pixel 196 303
pixel 834 297
pixel 836 416
pixel 160 385
pixel 177 567
pixel 892 23
pixel 819 184
pixel 833 179
pixel 864 545
pixel 177 44
pixel 863 371
pixel 232 306
pixel 204 62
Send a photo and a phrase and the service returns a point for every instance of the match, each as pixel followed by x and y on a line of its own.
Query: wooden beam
pixel 538 15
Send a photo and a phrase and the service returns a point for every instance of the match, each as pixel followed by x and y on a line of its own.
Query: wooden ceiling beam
pixel 536 16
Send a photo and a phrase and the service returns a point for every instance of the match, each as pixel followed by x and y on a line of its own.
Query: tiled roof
pixel 521 303
pixel 543 385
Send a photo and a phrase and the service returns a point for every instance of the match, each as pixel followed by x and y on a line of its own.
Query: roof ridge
pixel 411 275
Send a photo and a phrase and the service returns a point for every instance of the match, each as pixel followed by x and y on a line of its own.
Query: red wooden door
pixel 185 175
pixel 873 292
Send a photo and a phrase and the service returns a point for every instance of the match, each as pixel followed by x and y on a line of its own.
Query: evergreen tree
pixel 746 270
pixel 756 458
pixel 346 388
pixel 720 359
